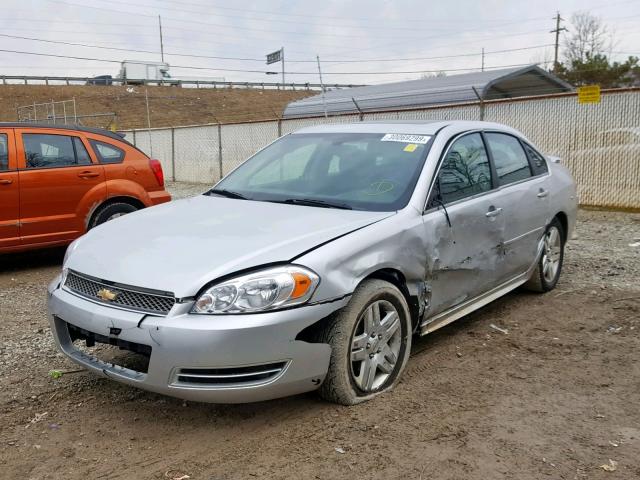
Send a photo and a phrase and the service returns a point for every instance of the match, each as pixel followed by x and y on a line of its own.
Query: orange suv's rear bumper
pixel 161 196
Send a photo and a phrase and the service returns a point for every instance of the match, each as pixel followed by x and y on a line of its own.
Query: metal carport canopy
pixel 491 84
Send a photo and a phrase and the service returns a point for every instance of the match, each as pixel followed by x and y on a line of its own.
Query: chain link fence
pixel 599 143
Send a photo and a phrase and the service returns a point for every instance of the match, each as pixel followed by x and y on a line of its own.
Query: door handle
pixel 493 212
pixel 88 174
pixel 542 193
pixel 5 181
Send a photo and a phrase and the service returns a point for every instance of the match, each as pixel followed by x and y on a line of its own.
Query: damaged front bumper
pixel 218 358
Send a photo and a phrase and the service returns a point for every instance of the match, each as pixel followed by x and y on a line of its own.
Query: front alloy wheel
pixel 370 343
pixel 375 346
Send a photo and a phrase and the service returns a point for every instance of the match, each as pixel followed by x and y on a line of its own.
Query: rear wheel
pixel 547 272
pixel 370 344
pixel 110 212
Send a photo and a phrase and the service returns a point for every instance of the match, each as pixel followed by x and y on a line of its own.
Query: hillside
pixel 168 106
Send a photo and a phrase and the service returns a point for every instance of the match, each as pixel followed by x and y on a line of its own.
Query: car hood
pixel 182 245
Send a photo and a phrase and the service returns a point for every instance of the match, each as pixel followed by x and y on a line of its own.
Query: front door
pixel 464 226
pixel 57 180
pixel 9 191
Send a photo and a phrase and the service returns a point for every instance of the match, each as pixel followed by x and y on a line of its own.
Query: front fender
pixel 397 243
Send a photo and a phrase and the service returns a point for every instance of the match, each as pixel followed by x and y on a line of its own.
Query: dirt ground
pixel 168 106
pixel 555 397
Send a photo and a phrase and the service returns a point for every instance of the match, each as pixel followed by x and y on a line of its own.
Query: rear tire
pixel 109 212
pixel 547 272
pixel 370 343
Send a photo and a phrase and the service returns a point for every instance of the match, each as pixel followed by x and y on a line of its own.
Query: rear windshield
pixel 363 171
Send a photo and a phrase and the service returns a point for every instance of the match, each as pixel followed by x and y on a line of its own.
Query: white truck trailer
pixel 135 71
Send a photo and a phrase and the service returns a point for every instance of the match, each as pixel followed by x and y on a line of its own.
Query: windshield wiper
pixel 311 202
pixel 226 193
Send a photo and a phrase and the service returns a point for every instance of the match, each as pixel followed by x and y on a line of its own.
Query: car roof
pixel 77 128
pixel 417 127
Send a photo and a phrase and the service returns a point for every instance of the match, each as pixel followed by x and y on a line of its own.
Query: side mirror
pixel 437 200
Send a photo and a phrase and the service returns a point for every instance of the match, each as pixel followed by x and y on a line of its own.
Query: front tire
pixel 547 272
pixel 370 343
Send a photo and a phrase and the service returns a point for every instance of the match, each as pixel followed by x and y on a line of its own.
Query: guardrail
pixel 48 80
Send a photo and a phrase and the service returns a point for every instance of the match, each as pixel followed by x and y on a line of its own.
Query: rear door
pixel 522 183
pixel 60 183
pixel 9 191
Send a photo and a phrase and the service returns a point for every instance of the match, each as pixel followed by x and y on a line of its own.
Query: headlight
pixel 63 276
pixel 262 290
pixel 72 246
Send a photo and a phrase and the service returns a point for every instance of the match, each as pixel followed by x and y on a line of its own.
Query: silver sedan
pixel 315 262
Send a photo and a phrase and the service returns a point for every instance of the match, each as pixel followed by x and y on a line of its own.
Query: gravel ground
pixel 555 397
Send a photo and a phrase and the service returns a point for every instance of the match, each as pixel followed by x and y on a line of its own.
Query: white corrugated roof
pixel 503 83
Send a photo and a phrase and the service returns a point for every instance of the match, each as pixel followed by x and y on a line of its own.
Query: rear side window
pixel 50 151
pixel 465 171
pixel 512 164
pixel 538 163
pixel 107 153
pixel 4 153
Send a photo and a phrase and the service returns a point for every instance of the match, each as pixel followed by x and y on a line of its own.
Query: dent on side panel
pixel 465 258
pixel 394 243
pixel 423 249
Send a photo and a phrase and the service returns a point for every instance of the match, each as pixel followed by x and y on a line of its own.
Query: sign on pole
pixel 589 94
pixel 274 57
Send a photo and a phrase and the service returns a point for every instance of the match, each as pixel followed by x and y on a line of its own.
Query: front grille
pixel 126 297
pixel 230 376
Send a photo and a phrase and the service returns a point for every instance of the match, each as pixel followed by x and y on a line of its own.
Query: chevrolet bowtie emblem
pixel 106 294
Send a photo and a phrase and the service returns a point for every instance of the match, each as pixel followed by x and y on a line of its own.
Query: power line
pixel 296 22
pixel 275 13
pixel 175 54
pixel 476 54
pixel 238 27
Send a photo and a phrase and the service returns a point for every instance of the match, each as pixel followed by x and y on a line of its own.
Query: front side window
pixel 362 171
pixel 49 151
pixel 465 170
pixel 509 158
pixel 4 153
pixel 107 153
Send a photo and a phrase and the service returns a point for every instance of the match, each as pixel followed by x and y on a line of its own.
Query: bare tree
pixel 587 37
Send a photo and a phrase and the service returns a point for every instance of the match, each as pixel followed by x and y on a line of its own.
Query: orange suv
pixel 57 182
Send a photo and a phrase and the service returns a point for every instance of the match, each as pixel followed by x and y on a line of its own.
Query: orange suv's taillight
pixel 156 168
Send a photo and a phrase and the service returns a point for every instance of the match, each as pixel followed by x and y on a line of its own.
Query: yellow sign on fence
pixel 589 94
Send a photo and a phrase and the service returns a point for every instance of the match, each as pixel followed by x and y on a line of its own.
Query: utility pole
pixel 482 68
pixel 146 99
pixel 282 60
pixel 557 31
pixel 324 103
pixel 161 44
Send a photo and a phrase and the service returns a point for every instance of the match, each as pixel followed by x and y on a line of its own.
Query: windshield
pixel 361 171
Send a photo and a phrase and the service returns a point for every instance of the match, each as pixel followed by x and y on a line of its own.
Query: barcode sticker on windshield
pixel 404 138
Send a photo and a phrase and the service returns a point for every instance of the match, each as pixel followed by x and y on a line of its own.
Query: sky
pixel 358 42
